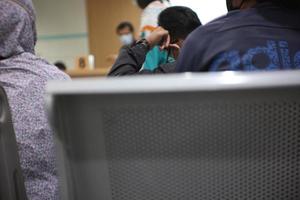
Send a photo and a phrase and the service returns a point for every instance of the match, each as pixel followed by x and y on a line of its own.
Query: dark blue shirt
pixel 265 37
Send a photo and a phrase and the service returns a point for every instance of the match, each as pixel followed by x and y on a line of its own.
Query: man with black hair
pixel 176 23
pixel 61 66
pixel 255 35
pixel 125 31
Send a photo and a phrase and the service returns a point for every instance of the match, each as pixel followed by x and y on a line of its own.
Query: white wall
pixel 62 30
pixel 207 10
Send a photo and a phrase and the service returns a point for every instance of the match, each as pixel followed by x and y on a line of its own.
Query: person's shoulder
pixel 51 72
pixel 214 26
pixel 200 41
pixel 213 29
pixel 44 70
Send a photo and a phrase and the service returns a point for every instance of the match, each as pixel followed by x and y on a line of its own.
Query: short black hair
pixel 180 21
pixel 124 25
pixel 60 65
pixel 144 3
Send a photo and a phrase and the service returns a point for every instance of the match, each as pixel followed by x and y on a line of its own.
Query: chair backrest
pixel 211 136
pixel 11 179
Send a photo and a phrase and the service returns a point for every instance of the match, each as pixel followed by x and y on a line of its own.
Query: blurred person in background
pixel 151 10
pixel 61 66
pixel 256 35
pixel 24 77
pixel 176 23
pixel 126 33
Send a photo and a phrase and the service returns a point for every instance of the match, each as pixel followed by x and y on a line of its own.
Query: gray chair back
pixel 212 136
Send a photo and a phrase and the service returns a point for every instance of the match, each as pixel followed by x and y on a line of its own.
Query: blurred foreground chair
pixel 211 136
pixel 11 179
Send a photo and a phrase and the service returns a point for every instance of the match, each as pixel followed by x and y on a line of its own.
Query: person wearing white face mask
pixel 126 34
pixel 125 31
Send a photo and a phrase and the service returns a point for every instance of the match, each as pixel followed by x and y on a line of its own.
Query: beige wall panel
pixel 103 17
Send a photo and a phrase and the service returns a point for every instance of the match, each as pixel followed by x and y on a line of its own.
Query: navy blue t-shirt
pixel 265 37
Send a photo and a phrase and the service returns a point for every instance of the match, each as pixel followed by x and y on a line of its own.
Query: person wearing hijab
pixel 24 77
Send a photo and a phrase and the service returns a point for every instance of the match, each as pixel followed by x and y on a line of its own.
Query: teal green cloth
pixel 156 57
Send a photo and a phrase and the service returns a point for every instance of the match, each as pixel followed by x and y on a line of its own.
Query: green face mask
pixel 170 57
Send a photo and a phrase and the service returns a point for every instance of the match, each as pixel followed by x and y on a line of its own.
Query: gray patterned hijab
pixel 17 32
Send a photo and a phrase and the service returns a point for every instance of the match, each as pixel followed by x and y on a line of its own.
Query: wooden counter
pixel 75 73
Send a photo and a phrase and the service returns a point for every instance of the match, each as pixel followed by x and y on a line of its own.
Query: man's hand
pixel 175 48
pixel 160 37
